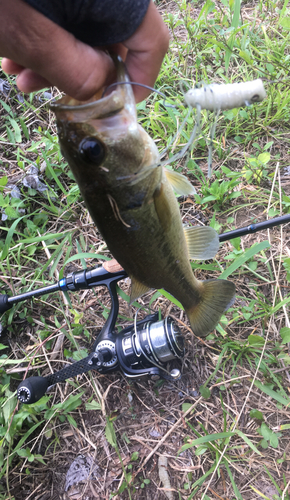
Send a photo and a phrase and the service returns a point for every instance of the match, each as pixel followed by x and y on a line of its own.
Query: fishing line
pixel 210 146
pixel 267 82
pixel 176 135
pixel 115 84
pixel 190 142
pixel 193 135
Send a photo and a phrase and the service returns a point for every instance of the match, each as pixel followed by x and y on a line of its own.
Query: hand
pixel 42 54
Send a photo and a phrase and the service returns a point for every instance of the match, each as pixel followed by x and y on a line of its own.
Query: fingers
pixel 146 50
pixel 10 67
pixel 29 81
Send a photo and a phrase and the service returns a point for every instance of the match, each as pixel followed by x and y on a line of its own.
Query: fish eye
pixel 92 149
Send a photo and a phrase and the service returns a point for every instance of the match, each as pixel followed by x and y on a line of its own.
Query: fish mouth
pixel 100 105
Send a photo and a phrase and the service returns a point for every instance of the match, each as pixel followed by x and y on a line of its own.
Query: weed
pixel 221 192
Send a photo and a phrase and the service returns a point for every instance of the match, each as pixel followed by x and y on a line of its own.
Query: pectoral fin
pixel 137 289
pixel 180 184
pixel 162 207
pixel 202 242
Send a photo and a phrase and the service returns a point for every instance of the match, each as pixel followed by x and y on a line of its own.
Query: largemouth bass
pixel 131 200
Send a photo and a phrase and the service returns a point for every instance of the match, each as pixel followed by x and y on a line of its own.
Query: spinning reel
pixel 140 349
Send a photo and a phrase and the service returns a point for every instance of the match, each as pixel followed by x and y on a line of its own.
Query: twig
pixel 179 421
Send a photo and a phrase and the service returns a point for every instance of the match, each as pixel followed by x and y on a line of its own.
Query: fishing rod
pixel 140 349
pixel 254 228
pixel 90 278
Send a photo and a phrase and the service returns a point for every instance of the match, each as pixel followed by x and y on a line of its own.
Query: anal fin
pixel 137 289
pixel 202 242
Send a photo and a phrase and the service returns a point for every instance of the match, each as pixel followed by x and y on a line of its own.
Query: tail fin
pixel 216 297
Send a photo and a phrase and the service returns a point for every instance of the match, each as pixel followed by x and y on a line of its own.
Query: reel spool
pixel 152 344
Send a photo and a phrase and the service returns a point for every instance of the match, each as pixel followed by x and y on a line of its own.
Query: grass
pixel 224 426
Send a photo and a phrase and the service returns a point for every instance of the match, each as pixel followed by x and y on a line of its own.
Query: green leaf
pixel 270 392
pixel 72 421
pixel 71 403
pixel 93 405
pixel 31 249
pixel 185 406
pixel 285 23
pixel 264 444
pixel 285 334
pixel 110 434
pixel 238 495
pixel 11 212
pixel 248 441
pixel 24 452
pixel 274 440
pixel 134 456
pixel 200 481
pixel 256 414
pixel 211 437
pixel 205 392
pixel 40 459
pixel 200 450
pixel 265 431
pixel 264 158
pixel 24 128
pixel 3 180
pixel 123 486
pixel 244 54
pixel 6 107
pixel 280 304
pixel 17 130
pixel 256 248
pixel 9 236
pixel 9 406
pixel 255 339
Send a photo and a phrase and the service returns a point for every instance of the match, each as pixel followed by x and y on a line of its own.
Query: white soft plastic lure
pixel 226 96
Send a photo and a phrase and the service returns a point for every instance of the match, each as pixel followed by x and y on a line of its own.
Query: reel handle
pixel 32 389
pixel 4 304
